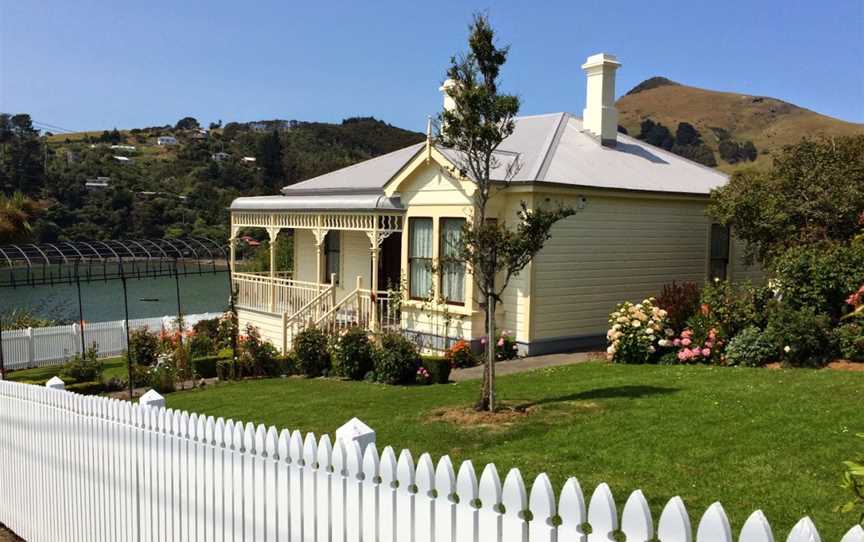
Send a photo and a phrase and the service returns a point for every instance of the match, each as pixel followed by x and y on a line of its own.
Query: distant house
pixel 251 241
pixel 200 133
pixel 126 148
pixel 220 156
pixel 99 183
pixel 248 159
pixel 166 140
pixel 123 159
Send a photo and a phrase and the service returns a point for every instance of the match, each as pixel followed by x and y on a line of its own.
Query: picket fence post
pixel 31 348
pixel 55 384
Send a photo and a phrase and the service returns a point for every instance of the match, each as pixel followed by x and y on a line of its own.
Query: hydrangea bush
pixel 637 331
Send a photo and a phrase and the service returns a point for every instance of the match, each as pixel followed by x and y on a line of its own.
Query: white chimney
pixel 600 117
pixel 449 103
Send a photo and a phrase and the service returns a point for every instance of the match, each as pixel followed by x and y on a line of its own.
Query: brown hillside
pixel 768 122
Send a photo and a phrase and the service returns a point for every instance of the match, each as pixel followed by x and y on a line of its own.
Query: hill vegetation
pixel 739 130
pixel 121 183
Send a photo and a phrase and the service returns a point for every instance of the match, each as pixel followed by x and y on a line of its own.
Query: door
pixel 390 262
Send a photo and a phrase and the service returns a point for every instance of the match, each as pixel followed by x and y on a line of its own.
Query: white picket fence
pixel 78 467
pixel 44 346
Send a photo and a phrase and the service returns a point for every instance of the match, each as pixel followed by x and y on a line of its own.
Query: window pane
pixel 452 270
pixel 719 251
pixel 420 257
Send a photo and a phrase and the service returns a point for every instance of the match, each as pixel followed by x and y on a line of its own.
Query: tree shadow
pixel 612 392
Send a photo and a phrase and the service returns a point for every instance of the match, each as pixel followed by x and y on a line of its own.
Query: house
pixel 248 160
pixel 123 159
pixel 220 156
pixel 369 239
pixel 99 183
pixel 166 140
pixel 125 148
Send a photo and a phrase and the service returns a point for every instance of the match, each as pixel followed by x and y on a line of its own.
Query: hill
pixel 768 122
pixel 123 183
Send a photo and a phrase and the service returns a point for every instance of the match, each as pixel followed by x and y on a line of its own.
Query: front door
pixel 390 262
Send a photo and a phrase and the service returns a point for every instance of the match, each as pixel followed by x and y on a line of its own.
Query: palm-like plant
pixel 16 217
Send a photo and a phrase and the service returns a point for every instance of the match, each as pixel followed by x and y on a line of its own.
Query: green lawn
pixel 114 367
pixel 750 438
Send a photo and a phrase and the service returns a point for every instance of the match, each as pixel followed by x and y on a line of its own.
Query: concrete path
pixel 525 364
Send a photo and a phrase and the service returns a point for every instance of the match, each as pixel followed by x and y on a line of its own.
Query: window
pixel 452 268
pixel 719 252
pixel 331 256
pixel 419 257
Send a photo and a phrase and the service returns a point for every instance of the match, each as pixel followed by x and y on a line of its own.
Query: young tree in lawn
pixel 479 121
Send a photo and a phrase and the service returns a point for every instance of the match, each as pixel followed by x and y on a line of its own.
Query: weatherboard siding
pixel 615 249
pixel 268 325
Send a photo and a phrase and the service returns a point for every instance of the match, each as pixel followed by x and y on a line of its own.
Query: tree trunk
pixel 487 392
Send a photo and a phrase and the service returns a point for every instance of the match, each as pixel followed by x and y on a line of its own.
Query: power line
pixel 53 127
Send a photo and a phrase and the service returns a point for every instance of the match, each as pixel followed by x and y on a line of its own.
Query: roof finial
pixel 428 138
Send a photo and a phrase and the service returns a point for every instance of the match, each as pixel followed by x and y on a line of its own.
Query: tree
pixel 748 151
pixel 656 134
pixel 729 151
pixel 269 156
pixel 814 193
pixel 187 123
pixel 481 119
pixel 686 134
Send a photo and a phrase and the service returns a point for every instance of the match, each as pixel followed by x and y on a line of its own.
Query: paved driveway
pixel 526 364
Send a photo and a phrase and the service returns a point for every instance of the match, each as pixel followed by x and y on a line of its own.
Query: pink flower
pixel 677 342
pixel 501 342
pixel 706 352
pixel 686 342
pixel 686 333
pixel 682 355
pixel 483 340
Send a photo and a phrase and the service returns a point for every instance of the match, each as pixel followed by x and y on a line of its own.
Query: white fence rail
pixel 40 347
pixel 92 468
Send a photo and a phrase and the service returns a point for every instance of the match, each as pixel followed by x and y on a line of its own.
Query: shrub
pixel 636 331
pixel 143 346
pixel 201 345
pixel 438 369
pixel 228 327
pixel 205 367
pixel 460 355
pixel 680 301
pixel 820 277
pixel 352 354
pixel 257 357
pixel 700 342
pixel 86 368
pixel 850 341
pixel 750 348
pixel 853 482
pixel 208 328
pixel 801 337
pixel 86 388
pixel 733 306
pixel 505 347
pixel 313 356
pixel 163 377
pixel 181 359
pixel 397 360
pixel 423 377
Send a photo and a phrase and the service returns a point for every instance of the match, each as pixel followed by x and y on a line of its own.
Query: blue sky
pixel 96 65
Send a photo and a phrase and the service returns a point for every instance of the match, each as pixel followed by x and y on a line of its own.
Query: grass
pixel 750 438
pixel 114 367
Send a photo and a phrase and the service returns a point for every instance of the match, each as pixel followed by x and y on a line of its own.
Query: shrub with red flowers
pixel 460 355
pixel 680 301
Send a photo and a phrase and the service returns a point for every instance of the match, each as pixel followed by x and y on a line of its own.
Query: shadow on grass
pixel 612 392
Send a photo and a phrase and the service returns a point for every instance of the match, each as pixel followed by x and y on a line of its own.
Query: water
pixel 103 301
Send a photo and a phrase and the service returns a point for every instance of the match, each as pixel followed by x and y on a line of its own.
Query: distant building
pixel 72 157
pixel 123 159
pixel 220 156
pixel 127 148
pixel 200 133
pixel 166 140
pixel 248 159
pixel 99 183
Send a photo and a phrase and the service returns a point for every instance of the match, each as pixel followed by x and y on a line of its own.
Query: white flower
pixel 663 342
pixel 670 332
pixel 616 327
pixel 787 349
pixel 651 349
pixel 636 323
pixel 610 350
pixel 649 331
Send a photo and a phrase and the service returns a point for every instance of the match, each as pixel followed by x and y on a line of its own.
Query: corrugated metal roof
pixel 550 148
pixel 362 202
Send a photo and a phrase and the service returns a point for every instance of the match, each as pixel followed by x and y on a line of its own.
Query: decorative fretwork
pixel 311 221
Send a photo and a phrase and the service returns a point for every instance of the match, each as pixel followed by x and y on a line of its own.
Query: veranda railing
pixel 93 468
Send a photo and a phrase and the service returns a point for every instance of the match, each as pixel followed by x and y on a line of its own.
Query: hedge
pixel 438 368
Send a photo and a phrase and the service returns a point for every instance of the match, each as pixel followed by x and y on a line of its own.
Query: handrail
pixel 354 293
pixel 316 300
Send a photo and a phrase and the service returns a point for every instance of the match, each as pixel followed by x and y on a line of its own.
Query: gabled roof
pixel 550 148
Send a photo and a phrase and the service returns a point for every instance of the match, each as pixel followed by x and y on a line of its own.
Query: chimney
pixel 600 117
pixel 449 104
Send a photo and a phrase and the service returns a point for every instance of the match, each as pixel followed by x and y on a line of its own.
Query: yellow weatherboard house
pixel 371 241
